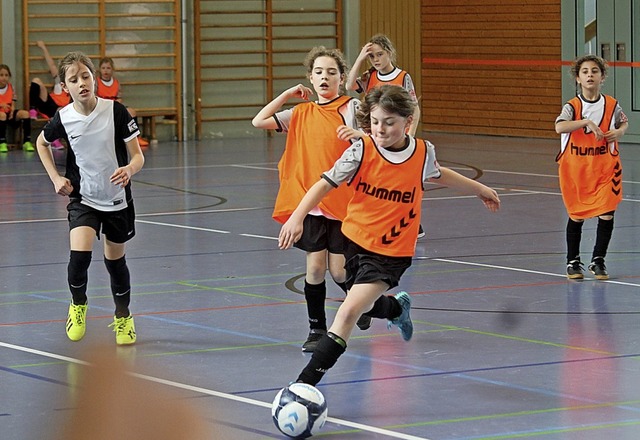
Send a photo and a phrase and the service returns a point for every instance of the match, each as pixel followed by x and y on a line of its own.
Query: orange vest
pixel 7 99
pixel 374 81
pixel 61 99
pixel 384 213
pixel 312 148
pixel 590 173
pixel 111 92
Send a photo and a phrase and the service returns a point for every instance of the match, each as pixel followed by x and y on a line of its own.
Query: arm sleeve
pixel 431 166
pixel 126 126
pixel 349 113
pixel 566 114
pixel 283 119
pixel 346 167
pixel 619 117
pixel 409 87
pixel 54 129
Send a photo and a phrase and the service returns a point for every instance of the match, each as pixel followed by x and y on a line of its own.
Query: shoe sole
pixel 601 277
pixel 577 276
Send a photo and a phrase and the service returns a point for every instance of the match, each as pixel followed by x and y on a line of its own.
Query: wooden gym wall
pixel 248 52
pixel 143 38
pixel 491 67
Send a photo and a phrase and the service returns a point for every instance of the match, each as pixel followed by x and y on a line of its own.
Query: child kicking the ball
pixel 103 155
pixel 386 170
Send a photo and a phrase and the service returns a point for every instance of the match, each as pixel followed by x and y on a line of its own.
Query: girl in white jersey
pixel 101 136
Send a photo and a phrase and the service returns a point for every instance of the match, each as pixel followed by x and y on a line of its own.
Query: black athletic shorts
pixel 117 226
pixel 365 267
pixel 320 233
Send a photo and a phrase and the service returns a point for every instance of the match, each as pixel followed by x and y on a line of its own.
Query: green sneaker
pixel 3 147
pixel 125 330
pixel 76 321
pixel 28 146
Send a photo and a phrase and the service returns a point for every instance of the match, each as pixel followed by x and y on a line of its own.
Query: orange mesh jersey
pixel 61 99
pixel 312 147
pixel 108 92
pixel 6 99
pixel 590 171
pixel 384 212
pixel 375 81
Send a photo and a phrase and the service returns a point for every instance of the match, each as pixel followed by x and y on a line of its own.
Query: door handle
pixel 605 51
pixel 621 52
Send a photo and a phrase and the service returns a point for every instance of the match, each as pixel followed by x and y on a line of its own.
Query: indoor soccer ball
pixel 299 410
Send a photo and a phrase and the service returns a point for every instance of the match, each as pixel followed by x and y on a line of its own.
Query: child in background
pixel 109 88
pixel 102 157
pixel 43 103
pixel 382 56
pixel 9 115
pixel 590 171
pixel 313 145
pixel 387 170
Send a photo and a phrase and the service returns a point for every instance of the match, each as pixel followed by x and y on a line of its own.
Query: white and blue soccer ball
pixel 299 410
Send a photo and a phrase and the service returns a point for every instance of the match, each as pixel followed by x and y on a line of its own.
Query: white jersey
pixel 97 147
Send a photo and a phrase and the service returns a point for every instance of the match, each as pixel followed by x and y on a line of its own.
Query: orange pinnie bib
pixel 590 171
pixel 384 212
pixel 312 148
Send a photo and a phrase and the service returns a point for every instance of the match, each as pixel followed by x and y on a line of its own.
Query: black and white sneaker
pixel 598 268
pixel 574 270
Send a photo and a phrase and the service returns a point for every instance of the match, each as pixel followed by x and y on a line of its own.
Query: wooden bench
pixel 149 119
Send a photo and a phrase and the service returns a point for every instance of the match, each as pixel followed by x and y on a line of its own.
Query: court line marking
pixel 516 269
pixel 271 168
pixel 209 392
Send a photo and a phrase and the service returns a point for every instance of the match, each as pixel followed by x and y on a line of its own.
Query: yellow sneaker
pixel 125 330
pixel 4 147
pixel 28 146
pixel 76 321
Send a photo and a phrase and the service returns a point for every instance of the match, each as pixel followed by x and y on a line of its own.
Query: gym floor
pixel 505 347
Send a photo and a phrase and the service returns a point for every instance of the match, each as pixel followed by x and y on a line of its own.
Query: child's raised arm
pixel 264 117
pixel 53 69
pixel 352 78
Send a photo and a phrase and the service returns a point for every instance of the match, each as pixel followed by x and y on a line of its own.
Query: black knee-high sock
pixel 326 354
pixel 3 132
pixel 316 295
pixel 26 130
pixel 603 237
pixel 574 235
pixel 120 285
pixel 385 307
pixel 77 276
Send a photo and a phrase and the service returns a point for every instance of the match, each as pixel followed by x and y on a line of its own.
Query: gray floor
pixel 505 347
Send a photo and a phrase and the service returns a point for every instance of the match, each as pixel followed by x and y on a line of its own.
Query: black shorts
pixel 365 267
pixel 117 226
pixel 320 233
